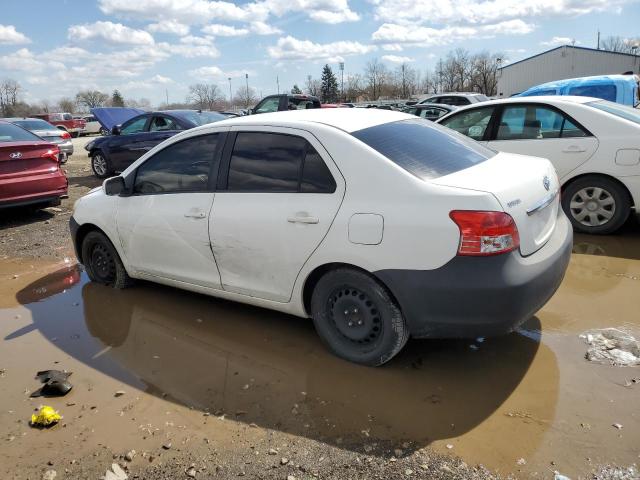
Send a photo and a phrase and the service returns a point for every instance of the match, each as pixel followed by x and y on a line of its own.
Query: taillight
pixel 65 135
pixel 485 233
pixel 52 154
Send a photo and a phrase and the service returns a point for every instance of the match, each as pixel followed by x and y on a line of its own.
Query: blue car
pixel 615 88
pixel 134 132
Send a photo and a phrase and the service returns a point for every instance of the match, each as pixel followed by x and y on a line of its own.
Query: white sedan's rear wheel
pixel 596 204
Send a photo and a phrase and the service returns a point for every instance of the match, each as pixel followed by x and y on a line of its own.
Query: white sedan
pixel 378 225
pixel 593 144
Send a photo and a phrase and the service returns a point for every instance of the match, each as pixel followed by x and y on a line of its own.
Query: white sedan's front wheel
pixel 596 204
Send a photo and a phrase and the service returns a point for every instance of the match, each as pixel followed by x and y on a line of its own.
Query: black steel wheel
pixel 102 262
pixel 357 318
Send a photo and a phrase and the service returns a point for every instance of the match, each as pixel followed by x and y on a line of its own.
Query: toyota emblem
pixel 546 183
pixel 15 155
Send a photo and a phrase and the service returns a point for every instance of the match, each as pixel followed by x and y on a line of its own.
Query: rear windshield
pixel 302 103
pixel 34 124
pixel 200 118
pixel 628 113
pixel 423 148
pixel 12 133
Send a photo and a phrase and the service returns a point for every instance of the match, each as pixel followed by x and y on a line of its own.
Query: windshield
pixel 34 125
pixel 12 133
pixel 628 113
pixel 423 148
pixel 199 118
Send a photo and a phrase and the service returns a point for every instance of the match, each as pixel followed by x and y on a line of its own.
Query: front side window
pixel 411 110
pixel 274 162
pixel 161 124
pixel 67 116
pixel 269 105
pixel 605 92
pixel 423 148
pixel 181 167
pixel 530 122
pixel 472 123
pixel 135 125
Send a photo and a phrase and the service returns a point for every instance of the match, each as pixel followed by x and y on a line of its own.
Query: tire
pixel 102 262
pixel 595 204
pixel 75 134
pixel 100 165
pixel 356 317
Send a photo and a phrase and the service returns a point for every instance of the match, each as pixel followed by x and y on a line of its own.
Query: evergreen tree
pixel 296 90
pixel 329 86
pixel 117 99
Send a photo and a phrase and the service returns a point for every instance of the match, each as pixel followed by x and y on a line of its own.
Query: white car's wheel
pixel 596 204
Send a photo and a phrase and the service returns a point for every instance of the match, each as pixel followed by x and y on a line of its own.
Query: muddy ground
pixel 221 390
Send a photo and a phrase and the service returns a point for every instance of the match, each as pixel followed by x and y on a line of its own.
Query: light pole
pixel 634 50
pixel 342 81
pixel 278 84
pixel 230 96
pixel 246 77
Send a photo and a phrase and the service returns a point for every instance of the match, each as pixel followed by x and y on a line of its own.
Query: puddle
pixel 527 395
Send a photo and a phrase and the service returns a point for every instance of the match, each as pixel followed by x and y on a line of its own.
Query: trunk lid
pixel 526 187
pixel 20 159
pixel 53 136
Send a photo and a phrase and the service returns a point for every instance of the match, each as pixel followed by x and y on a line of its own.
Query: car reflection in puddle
pixel 263 367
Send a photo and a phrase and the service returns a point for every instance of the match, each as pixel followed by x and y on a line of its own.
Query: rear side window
pixel 12 133
pixel 422 148
pixel 181 167
pixel 274 162
pixel 530 122
pixel 606 92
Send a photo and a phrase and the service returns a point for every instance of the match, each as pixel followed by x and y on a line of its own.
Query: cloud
pixel 110 32
pixel 555 41
pixel 426 36
pixel 484 11
pixel 199 12
pixel 193 40
pixel 290 48
pixel 169 26
pixel 392 47
pixel 216 73
pixel 397 59
pixel 218 30
pixel 10 36
pixel 261 28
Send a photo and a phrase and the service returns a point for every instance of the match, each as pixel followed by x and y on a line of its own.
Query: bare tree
pixel 430 83
pixel 485 69
pixel 313 86
pixel 9 92
pixel 142 103
pixel 67 105
pixel 354 87
pixel 91 98
pixel 206 96
pixel 247 97
pixel 375 74
pixel 619 44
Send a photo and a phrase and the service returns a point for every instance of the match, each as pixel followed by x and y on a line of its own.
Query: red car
pixel 30 171
pixel 64 121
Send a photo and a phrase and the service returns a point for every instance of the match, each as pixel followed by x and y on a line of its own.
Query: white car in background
pixel 93 127
pixel 593 144
pixel 377 224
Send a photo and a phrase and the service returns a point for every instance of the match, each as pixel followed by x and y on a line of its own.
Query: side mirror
pixel 114 186
pixel 115 130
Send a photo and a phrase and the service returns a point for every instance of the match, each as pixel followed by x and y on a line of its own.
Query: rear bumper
pixel 30 189
pixel 481 296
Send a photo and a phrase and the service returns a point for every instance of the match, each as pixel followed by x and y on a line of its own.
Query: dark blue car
pixel 135 136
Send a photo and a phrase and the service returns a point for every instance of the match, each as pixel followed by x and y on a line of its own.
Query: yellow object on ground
pixel 46 416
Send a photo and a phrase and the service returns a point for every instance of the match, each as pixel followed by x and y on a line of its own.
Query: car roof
pixel 15 119
pixel 431 105
pixel 348 120
pixel 552 99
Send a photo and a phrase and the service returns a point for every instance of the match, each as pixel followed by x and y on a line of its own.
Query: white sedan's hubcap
pixel 592 206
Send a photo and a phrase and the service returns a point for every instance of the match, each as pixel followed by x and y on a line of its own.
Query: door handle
pixel 195 215
pixel 574 149
pixel 301 219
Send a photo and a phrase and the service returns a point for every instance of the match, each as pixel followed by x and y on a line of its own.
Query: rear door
pixel 275 202
pixel 543 131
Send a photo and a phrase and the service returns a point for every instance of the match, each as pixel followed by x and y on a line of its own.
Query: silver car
pixel 47 132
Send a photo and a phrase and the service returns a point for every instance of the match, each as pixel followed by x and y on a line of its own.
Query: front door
pixel 126 148
pixel 277 198
pixel 163 225
pixel 541 131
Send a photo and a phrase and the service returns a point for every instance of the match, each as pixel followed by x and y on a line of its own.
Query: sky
pixel 155 49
